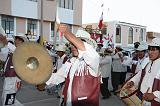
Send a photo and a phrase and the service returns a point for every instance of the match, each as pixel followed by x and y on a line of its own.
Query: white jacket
pixel 105 66
pixel 152 71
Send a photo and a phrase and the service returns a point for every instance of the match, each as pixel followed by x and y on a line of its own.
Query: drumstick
pixel 143 98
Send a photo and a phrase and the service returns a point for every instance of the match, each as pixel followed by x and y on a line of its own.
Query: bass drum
pixel 128 95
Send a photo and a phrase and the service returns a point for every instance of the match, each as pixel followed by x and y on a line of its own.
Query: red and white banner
pixel 101 21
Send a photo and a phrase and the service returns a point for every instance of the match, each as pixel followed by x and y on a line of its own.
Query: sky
pixel 140 12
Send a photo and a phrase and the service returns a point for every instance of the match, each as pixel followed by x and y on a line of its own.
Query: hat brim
pixel 90 41
pixel 153 44
pixel 24 38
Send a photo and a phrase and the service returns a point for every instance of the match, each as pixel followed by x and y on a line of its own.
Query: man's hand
pixel 149 96
pixel 62 28
pixel 3 40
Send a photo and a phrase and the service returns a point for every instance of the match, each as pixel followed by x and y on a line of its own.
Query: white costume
pixel 141 63
pixel 11 84
pixel 105 65
pixel 152 70
pixel 89 57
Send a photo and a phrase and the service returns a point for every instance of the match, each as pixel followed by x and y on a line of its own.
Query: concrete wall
pixel 20 25
pixel 24 8
pixel 5 7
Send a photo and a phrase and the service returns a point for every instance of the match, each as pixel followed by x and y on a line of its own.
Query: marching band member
pixel 143 59
pixel 148 80
pixel 118 73
pixel 11 81
pixel 105 69
pixel 82 77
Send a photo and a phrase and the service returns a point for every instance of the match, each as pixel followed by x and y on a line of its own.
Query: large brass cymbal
pixel 32 63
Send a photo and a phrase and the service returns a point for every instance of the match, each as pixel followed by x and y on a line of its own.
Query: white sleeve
pixel 127 61
pixel 4 53
pixel 104 61
pixel 136 78
pixel 58 77
pixel 90 56
pixel 157 94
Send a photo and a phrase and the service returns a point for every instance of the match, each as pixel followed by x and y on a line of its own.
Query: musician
pixel 12 83
pixel 118 73
pixel 148 80
pixel 105 69
pixel 142 57
pixel 82 82
pixel 61 59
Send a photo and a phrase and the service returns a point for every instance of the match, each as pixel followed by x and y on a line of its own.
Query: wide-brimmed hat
pixel 60 48
pixel 155 42
pixel 143 46
pixel 22 36
pixel 87 37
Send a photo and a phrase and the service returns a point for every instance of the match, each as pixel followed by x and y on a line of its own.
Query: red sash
pixel 156 87
pixel 85 89
pixel 10 72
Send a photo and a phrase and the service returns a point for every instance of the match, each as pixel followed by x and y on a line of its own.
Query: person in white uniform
pixel 143 58
pixel 148 80
pixel 105 69
pixel 11 81
pixel 82 82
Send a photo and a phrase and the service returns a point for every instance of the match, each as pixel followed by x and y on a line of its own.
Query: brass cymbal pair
pixel 32 63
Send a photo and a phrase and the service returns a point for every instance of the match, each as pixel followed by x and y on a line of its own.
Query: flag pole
pixel 57 21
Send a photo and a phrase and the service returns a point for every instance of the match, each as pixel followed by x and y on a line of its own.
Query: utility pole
pixel 41 26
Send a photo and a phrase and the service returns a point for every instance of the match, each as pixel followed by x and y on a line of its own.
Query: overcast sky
pixel 141 12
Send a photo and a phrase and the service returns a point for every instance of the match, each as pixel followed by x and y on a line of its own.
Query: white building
pixel 126 34
pixel 122 33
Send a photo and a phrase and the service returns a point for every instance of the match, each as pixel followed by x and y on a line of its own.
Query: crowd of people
pixel 83 72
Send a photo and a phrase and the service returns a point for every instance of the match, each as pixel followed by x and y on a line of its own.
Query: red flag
pixel 101 21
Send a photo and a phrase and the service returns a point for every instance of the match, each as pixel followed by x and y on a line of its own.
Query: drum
pixel 129 97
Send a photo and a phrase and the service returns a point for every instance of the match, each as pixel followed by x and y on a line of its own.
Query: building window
pixel 141 35
pixel 32 28
pixel 118 34
pixel 130 36
pixel 68 4
pixel 8 25
pixel 52 30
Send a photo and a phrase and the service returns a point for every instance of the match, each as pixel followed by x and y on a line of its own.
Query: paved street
pixel 29 96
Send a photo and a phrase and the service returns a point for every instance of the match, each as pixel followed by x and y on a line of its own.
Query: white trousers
pixel 10 88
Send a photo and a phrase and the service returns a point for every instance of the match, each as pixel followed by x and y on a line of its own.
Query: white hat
pixel 143 46
pixel 155 42
pixel 87 37
pixel 22 36
pixel 60 48
pixel 2 31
